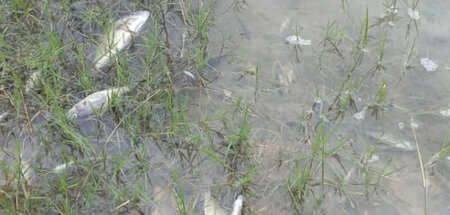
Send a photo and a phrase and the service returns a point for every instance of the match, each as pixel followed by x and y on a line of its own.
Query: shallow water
pixel 156 169
pixel 255 33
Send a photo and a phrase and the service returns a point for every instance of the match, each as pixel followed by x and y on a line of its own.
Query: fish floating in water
pixel 212 206
pixel 237 205
pixel 32 81
pixel 95 103
pixel 120 36
pixel 284 79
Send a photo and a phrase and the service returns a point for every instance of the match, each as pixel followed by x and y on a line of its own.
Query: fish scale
pixel 122 33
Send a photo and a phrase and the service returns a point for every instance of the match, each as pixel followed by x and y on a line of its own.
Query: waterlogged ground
pixel 222 104
pixel 283 110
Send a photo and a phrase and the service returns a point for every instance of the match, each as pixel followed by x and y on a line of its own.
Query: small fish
pixel 189 74
pixel 211 206
pixel 237 205
pixel 96 102
pixel 60 168
pixel 120 36
pixel 428 64
pixel 284 79
pixel 3 115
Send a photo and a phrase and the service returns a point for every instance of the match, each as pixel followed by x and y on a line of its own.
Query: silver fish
pixel 97 102
pixel 211 206
pixel 120 36
pixel 163 201
pixel 60 168
pixel 285 78
pixel 237 205
pixel 3 115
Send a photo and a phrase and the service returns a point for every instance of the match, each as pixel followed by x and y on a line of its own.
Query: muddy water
pixel 254 34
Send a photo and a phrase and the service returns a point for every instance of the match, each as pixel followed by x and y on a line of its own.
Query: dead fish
pixel 211 206
pixel 189 74
pixel 391 142
pixel 96 102
pixel 3 115
pixel 163 201
pixel 237 205
pixel 284 79
pixel 60 168
pixel 32 81
pixel 120 36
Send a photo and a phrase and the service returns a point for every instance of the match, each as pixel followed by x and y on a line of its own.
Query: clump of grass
pixel 61 49
pixel 332 40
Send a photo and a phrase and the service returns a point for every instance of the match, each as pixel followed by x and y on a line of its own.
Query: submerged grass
pixel 112 160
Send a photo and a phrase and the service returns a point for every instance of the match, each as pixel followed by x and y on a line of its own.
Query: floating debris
pixel 297 40
pixel 445 113
pixel 428 64
pixel 285 79
pixel 317 100
pixel 249 68
pixel 284 25
pixel 390 16
pixel 361 114
pixel 237 205
pixel 227 95
pixel 413 13
pixel 392 10
pixel 96 102
pixel 413 124
pixel 391 142
pixel 32 81
pixel 374 158
pixel 212 206
pixel 448 158
pixel 401 125
pixel 120 36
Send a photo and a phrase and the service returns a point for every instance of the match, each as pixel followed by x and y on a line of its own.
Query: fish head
pixel 80 110
pixel 72 113
pixel 136 20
